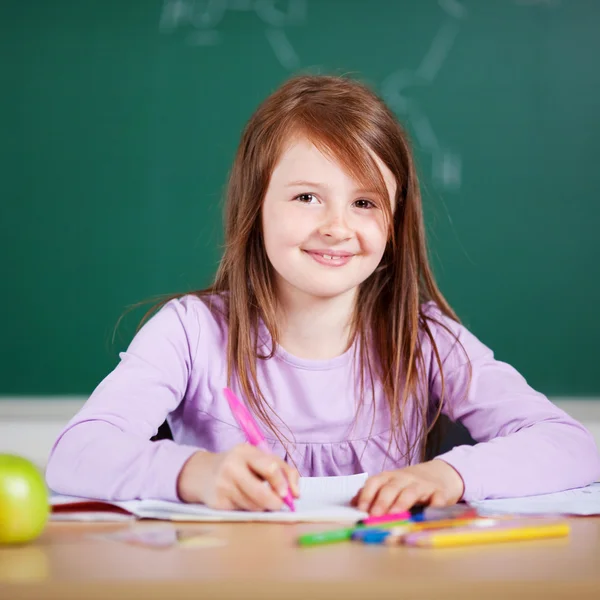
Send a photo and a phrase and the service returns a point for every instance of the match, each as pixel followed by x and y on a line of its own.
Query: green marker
pixel 327 537
pixel 340 535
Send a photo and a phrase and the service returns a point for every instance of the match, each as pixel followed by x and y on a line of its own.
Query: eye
pixel 363 203
pixel 306 198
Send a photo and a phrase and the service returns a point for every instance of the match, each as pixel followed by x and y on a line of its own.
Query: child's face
pixel 322 233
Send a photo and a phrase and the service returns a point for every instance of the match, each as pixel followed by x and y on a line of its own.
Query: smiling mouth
pixel 334 260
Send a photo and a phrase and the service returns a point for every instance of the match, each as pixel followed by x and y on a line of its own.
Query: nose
pixel 335 225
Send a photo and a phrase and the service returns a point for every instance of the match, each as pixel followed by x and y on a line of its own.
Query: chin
pixel 320 286
pixel 325 292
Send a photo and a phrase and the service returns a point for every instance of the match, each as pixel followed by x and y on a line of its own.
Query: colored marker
pixel 253 434
pixel 395 534
pixel 326 537
pixel 420 512
pixel 437 513
pixel 377 536
pixel 401 516
pixel 339 535
pixel 504 533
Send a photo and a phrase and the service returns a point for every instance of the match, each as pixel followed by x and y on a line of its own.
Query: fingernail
pixel 282 492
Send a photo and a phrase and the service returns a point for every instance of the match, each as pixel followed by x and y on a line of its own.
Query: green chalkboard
pixel 119 120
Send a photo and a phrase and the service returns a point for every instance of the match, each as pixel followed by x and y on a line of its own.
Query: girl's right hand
pixel 243 478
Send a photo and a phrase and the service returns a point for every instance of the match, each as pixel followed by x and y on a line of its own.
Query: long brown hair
pixel 346 120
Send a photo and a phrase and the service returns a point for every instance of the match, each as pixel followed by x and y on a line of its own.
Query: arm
pixel 105 451
pixel 526 445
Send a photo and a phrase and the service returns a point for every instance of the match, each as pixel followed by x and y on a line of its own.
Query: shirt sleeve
pixel 525 445
pixel 105 451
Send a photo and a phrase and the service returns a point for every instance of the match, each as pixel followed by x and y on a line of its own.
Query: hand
pixel 435 483
pixel 243 478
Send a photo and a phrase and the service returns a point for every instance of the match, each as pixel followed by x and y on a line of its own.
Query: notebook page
pixel 580 501
pixel 317 492
pixel 322 499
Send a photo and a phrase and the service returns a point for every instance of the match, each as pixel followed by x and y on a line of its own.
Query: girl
pixel 326 319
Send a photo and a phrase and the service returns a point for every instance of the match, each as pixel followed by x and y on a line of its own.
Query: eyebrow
pixel 314 184
pixel 304 184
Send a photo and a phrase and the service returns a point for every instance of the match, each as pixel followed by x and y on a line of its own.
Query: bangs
pixel 343 142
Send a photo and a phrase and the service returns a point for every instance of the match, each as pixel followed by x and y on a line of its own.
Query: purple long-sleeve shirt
pixel 176 367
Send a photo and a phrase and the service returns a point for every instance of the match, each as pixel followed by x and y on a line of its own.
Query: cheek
pixel 280 231
pixel 374 237
pixel 283 227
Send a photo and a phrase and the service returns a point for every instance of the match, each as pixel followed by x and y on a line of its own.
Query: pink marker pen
pixel 388 518
pixel 253 434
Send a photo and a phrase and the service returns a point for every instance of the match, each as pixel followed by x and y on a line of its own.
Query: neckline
pixel 309 364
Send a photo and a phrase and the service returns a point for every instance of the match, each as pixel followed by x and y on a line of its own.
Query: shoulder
pixel 454 344
pixel 206 310
pixel 435 324
pixel 197 320
pixel 440 324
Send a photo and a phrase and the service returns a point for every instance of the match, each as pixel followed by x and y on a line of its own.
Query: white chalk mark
pixel 208 13
pixel 392 92
pixel 268 12
pixel 438 51
pixel 446 166
pixel 284 51
pixel 174 12
pixel 203 38
pixel 447 169
pixel 205 15
pixel 424 133
pixel 392 88
pixel 454 8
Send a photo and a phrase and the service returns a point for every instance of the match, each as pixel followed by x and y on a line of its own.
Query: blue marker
pixel 377 536
pixel 371 536
pixel 422 513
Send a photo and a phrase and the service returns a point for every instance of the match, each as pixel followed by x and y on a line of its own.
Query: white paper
pixel 321 499
pixel 580 501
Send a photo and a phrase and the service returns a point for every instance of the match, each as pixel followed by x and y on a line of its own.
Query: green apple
pixel 24 506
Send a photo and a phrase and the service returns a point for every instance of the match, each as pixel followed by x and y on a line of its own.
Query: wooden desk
pixel 261 561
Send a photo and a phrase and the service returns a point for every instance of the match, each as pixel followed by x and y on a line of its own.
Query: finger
pixel 244 501
pixel 438 498
pixel 385 499
pixel 222 503
pixel 258 491
pixel 271 469
pixel 370 489
pixel 224 496
pixel 293 479
pixel 412 494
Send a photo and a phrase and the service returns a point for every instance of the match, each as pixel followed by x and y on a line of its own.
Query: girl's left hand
pixel 434 483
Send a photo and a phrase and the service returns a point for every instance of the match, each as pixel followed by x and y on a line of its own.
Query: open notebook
pixel 580 501
pixel 324 499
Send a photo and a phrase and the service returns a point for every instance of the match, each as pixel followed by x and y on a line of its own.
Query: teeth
pixel 330 257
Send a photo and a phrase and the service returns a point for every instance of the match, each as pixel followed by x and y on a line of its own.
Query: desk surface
pixel 262 561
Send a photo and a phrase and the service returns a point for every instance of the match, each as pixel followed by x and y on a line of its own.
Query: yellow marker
pixel 397 534
pixel 490 534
